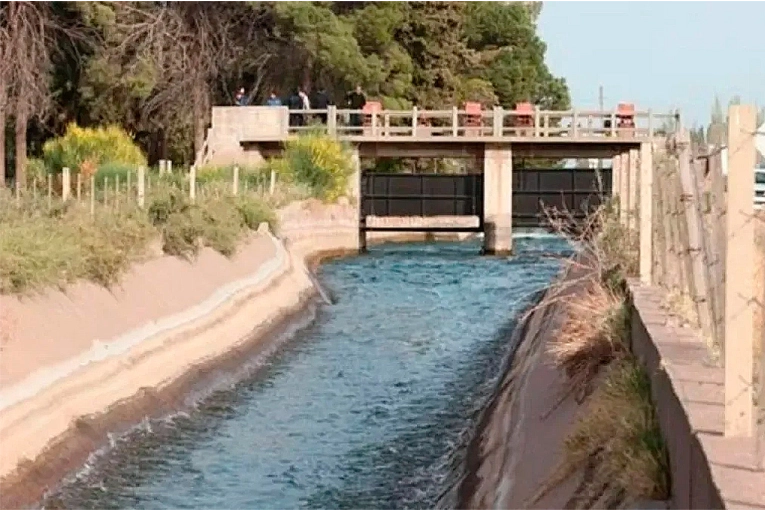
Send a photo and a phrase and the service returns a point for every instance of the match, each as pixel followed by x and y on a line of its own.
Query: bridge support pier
pixel 498 200
pixel 354 192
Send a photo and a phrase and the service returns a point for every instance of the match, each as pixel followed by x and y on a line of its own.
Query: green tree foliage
pixel 155 68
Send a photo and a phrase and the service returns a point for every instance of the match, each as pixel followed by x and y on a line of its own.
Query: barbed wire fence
pixel 708 252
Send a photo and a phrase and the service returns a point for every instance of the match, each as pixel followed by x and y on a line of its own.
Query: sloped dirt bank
pixel 80 365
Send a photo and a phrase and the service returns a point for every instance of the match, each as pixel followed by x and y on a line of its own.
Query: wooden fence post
pixel 696 235
pixel 272 187
pixel 66 183
pixel 50 190
pixel 92 195
pixel 193 183
pixel 739 273
pixel 624 190
pixel 235 183
pixel 646 214
pixel 634 191
pixel 79 187
pixel 141 187
pixel 717 223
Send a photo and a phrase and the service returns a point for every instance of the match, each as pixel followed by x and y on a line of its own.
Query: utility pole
pixel 600 108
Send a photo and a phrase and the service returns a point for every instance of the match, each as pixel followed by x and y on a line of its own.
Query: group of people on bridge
pixel 318 100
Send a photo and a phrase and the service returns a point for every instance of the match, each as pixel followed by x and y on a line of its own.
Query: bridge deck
pixel 275 124
pixel 455 133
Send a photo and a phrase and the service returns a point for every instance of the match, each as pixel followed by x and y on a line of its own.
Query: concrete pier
pixel 498 199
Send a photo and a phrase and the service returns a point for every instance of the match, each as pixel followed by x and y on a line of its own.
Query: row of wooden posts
pixel 143 184
pixel 697 239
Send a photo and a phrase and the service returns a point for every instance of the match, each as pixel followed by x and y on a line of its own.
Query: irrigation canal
pixel 368 407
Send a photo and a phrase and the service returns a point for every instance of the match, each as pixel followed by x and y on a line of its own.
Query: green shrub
pixel 112 170
pixel 38 251
pixel 253 176
pixel 86 149
pixel 255 212
pixel 36 170
pixel 317 161
pixel 45 245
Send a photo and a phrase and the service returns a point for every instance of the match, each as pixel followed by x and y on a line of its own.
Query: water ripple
pixel 367 408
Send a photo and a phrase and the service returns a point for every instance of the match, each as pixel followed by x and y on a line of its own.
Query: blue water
pixel 368 407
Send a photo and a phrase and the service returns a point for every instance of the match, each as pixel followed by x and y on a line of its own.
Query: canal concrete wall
pixel 519 440
pixel 81 364
pixel 519 437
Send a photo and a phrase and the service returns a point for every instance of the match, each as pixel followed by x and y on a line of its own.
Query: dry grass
pixel 619 443
pixel 592 335
pixel 616 441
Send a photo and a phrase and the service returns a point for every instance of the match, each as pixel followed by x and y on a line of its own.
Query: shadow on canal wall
pixel 102 360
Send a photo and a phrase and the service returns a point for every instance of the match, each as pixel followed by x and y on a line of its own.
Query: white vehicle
pixel 759 188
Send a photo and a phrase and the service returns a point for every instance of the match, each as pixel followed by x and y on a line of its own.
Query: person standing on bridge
pixel 241 98
pixel 321 101
pixel 273 99
pixel 356 101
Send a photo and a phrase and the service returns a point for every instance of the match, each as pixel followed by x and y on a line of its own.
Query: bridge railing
pixel 496 123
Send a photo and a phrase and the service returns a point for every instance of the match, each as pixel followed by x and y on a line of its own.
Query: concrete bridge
pixel 494 138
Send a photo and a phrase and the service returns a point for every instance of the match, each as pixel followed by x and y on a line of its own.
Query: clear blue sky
pixel 658 55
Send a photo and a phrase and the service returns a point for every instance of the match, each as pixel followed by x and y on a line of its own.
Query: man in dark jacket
pixel 320 101
pixel 240 99
pixel 295 102
pixel 356 101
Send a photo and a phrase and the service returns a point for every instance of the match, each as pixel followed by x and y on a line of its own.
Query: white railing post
pixel 235 183
pixel 332 120
pixel 414 121
pixel 574 123
pixel 536 120
pixel 497 122
pixel 455 121
pixel 272 187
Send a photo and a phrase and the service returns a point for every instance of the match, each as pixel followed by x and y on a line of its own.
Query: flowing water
pixel 368 407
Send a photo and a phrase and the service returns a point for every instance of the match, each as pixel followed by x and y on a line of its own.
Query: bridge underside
pixel 462 148
pixel 498 200
pixel 575 191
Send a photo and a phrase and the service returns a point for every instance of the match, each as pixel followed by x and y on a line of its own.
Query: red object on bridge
pixel 369 108
pixel 625 115
pixel 524 115
pixel 473 114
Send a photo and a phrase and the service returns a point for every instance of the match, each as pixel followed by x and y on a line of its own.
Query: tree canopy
pixel 155 68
